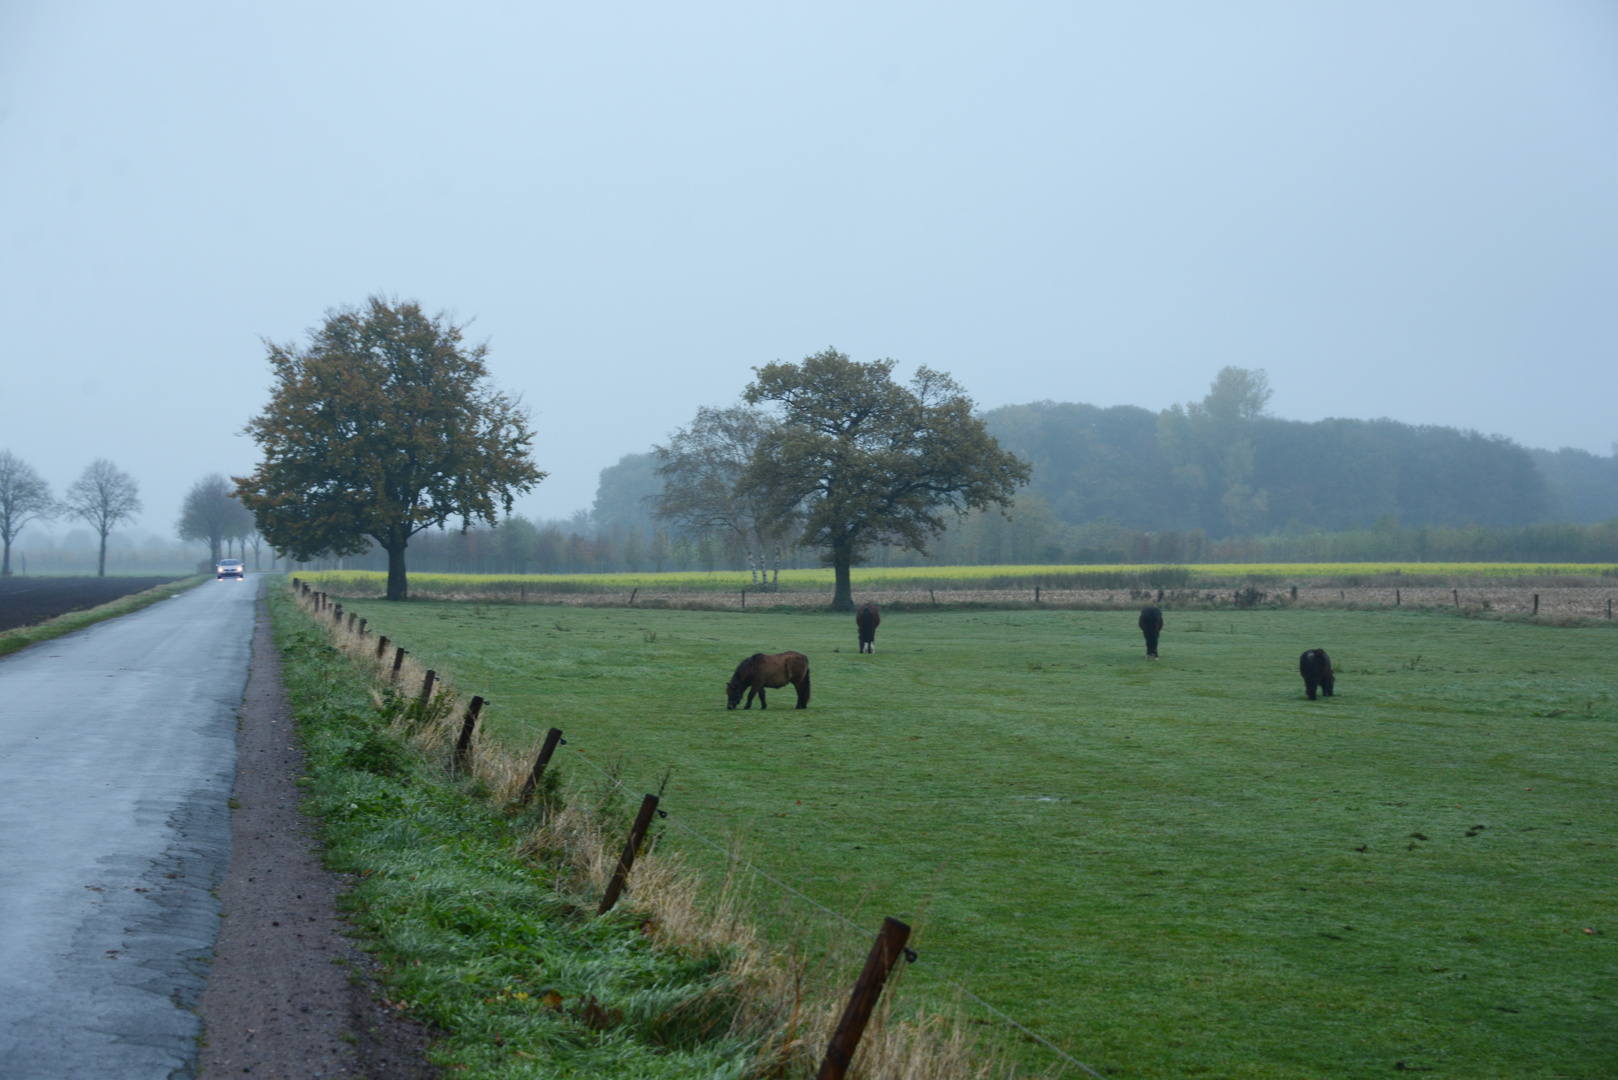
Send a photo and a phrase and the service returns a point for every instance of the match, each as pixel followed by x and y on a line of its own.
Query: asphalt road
pixel 117 759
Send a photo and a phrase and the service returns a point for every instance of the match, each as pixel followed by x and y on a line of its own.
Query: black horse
pixel 1315 667
pixel 759 672
pixel 868 618
pixel 1151 624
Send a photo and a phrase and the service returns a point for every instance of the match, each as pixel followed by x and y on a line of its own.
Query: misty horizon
pixel 1397 212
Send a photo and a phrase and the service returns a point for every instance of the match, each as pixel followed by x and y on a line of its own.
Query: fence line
pixel 910 954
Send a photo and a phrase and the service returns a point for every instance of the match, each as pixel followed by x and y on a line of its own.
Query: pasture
pixel 1170 868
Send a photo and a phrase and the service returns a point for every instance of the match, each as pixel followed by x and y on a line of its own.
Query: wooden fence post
pixel 362 628
pixel 381 646
pixel 1609 609
pixel 1396 600
pixel 463 745
pixel 632 593
pixel 522 594
pixel 398 661
pixel 552 737
pixel 1036 594
pixel 885 952
pixel 626 861
pixel 744 599
pixel 931 597
pixel 426 691
pixel 1457 593
pixel 1536 603
pixel 337 614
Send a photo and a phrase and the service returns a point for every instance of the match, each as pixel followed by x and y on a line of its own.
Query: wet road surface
pixel 117 759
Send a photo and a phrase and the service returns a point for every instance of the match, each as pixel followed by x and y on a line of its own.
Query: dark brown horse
pixel 1315 667
pixel 1151 624
pixel 868 618
pixel 759 672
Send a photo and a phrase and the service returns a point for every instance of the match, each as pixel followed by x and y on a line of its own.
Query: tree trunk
pixel 5 563
pixel 842 598
pixel 101 561
pixel 398 585
pixel 754 565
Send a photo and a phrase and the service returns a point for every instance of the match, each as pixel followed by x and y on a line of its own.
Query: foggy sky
pixel 1402 210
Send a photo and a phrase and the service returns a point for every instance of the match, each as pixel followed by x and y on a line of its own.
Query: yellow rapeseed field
pixel 357 582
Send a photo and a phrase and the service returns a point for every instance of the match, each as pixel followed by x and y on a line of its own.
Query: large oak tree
pixel 385 424
pixel 866 460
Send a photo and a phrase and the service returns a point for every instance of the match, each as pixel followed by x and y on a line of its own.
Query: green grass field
pixel 1179 868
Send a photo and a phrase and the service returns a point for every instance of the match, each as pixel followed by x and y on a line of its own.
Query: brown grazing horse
pixel 868 618
pixel 1151 624
pixel 759 672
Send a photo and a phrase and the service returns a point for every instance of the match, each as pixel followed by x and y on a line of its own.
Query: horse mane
pixel 743 667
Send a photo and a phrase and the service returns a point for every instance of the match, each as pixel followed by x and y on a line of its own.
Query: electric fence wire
pixel 932 969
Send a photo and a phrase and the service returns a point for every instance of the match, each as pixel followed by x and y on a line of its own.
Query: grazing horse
pixel 1315 667
pixel 759 672
pixel 1151 624
pixel 868 618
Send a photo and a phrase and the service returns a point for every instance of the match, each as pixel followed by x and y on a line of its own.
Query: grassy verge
pixel 1179 868
pixel 23 636
pixel 481 911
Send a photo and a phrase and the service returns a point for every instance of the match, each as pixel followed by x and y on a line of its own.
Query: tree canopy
pixel 102 496
pixel 211 512
pixel 385 424
pixel 1224 466
pixel 862 460
pixel 704 468
pixel 24 497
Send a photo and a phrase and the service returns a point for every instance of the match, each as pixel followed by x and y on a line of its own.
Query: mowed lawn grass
pixel 1171 868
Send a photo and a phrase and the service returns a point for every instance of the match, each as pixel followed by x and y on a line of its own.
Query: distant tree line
pixel 1219 480
pixel 102 497
pixel 1225 467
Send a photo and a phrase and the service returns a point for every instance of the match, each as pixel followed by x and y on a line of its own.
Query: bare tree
pixel 103 496
pixel 24 497
pixel 702 468
pixel 212 513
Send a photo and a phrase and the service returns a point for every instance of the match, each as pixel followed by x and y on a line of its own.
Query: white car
pixel 231 568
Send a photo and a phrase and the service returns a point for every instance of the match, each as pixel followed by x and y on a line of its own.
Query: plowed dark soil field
pixel 25 601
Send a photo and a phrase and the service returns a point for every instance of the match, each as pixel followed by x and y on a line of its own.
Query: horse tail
pixel 803 690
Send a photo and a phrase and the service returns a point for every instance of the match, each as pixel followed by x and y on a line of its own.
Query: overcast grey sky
pixel 1403 210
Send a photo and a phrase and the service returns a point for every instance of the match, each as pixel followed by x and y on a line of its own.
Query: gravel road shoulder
pixel 288 995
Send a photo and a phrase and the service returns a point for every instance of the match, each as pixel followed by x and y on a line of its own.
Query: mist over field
pixel 1397 213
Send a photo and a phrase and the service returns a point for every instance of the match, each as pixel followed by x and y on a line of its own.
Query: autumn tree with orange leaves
pixel 385 424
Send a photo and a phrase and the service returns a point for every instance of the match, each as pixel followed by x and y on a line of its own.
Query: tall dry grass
pixel 785 998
